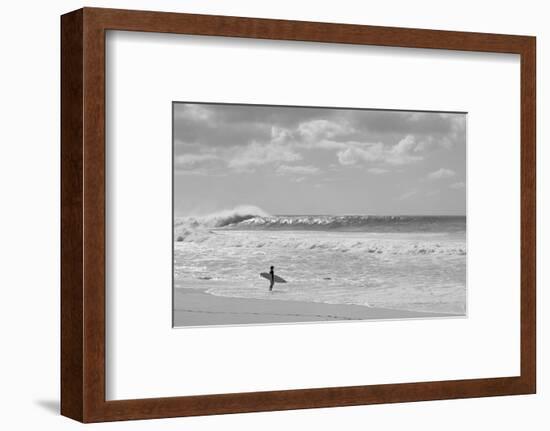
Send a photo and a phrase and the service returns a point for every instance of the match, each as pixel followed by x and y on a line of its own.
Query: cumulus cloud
pixel 441 174
pixel 257 154
pixel 323 129
pixel 458 185
pixel 405 145
pixel 301 143
pixel 356 152
pixel 280 135
pixel 404 152
pixel 215 125
pixel 297 170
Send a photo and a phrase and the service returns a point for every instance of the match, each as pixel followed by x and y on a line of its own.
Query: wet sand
pixel 194 307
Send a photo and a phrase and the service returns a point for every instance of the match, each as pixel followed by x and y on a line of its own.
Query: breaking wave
pixel 261 244
pixel 361 223
pixel 196 227
pixel 248 217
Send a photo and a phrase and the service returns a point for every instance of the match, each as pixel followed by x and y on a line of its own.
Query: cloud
pixel 399 154
pixel 457 186
pixel 424 124
pixel 297 170
pixel 377 171
pixel 280 135
pixel 356 152
pixel 216 125
pixel 193 111
pixel 402 152
pixel 189 160
pixel 241 138
pixel 315 130
pixel 405 145
pixel 327 144
pixel 257 154
pixel 441 174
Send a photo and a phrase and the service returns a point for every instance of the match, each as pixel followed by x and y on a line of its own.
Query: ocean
pixel 415 263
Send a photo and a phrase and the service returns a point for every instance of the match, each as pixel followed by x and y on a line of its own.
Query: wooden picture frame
pixel 83 214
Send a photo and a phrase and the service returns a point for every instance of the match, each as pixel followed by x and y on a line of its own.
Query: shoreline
pixel 195 307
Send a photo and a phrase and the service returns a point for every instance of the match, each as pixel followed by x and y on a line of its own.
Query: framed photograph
pixel 268 215
pixel 334 211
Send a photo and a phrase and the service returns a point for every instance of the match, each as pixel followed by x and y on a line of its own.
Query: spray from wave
pixel 198 227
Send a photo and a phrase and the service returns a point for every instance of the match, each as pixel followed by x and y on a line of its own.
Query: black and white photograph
pixel 289 214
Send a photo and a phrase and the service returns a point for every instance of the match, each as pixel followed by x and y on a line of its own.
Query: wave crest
pixel 198 227
pixel 366 223
pixel 249 217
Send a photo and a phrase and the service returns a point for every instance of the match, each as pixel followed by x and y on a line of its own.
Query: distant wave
pixel 362 223
pixel 247 217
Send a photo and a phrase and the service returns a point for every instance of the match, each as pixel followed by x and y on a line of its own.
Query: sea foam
pixel 403 262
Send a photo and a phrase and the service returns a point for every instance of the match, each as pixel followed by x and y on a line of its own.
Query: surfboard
pixel 276 278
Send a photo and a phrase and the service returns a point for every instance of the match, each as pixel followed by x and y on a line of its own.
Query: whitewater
pixel 415 263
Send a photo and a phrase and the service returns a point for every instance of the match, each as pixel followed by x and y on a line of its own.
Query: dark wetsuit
pixel 272 279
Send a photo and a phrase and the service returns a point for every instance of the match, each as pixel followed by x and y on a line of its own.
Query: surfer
pixel 271 278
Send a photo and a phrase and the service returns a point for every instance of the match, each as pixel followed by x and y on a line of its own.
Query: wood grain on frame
pixel 72 352
pixel 83 214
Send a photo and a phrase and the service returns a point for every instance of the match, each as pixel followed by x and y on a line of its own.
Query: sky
pixel 302 160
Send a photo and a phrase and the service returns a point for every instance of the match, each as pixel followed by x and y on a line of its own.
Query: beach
pixel 334 267
pixel 195 307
